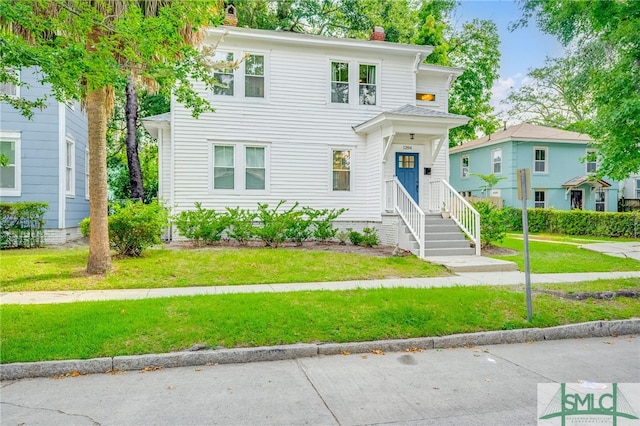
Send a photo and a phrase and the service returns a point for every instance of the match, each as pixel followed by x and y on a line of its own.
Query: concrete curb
pixel 23 370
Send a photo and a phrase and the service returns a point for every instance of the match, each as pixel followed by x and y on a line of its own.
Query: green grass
pixel 63 269
pixel 550 257
pixel 576 239
pixel 95 329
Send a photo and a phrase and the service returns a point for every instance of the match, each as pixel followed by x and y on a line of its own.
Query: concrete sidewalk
pixel 461 279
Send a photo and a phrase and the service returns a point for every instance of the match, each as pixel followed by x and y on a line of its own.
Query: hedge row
pixel 576 222
pixel 22 224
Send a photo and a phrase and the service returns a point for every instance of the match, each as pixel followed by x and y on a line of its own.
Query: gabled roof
pixel 526 132
pixel 414 113
pixel 581 180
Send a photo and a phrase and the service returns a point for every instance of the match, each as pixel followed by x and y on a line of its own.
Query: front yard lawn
pixel 63 269
pixel 97 329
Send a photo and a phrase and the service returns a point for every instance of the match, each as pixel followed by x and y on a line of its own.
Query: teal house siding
pixel 41 151
pixel 558 174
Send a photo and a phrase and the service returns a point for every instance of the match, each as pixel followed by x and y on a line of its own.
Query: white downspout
pixel 62 152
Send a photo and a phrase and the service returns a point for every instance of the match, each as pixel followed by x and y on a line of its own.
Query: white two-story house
pixel 327 122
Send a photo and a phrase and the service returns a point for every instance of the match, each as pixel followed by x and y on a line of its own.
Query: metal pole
pixel 525 237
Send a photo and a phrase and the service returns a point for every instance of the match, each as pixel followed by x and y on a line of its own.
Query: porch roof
pixel 155 122
pixel 411 114
pixel 580 180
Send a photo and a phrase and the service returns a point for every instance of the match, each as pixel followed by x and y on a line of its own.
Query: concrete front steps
pixel 446 244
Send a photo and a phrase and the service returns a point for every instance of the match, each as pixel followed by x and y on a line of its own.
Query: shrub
pixel 492 223
pixel 355 237
pixel 299 226
pixel 22 224
pixel 201 225
pixel 274 224
pixel 370 237
pixel 323 224
pixel 342 237
pixel 134 226
pixel 241 225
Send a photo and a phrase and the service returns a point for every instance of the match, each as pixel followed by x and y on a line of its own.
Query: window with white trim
pixel 11 88
pixel 86 173
pixel 10 173
pixel 540 160
pixel 224 74
pixel 540 199
pixel 254 76
pixel 255 167
pixel 341 169
pixel 367 84
pixel 223 167
pixel 464 166
pixel 496 161
pixel 638 189
pixel 601 200
pixel 69 166
pixel 591 161
pixel 340 82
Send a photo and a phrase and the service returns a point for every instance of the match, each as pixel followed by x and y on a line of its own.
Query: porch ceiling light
pixel 412 135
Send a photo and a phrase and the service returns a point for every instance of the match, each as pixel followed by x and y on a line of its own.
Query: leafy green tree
pixel 489 180
pixel 86 50
pixel 604 35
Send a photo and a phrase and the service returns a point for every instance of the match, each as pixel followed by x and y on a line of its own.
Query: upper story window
pixel 224 74
pixel 340 82
pixel 10 173
pixel 254 76
pixel 69 176
pixel 341 169
pixel 496 161
pixel 426 97
pixel 367 84
pixel 464 166
pixel 592 162
pixel 540 159
pixel 11 88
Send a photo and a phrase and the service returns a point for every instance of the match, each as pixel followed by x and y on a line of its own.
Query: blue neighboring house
pixel 48 158
pixel 559 176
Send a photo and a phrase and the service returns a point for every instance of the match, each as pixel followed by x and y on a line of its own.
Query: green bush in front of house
pixel 576 222
pixel 22 224
pixel 492 222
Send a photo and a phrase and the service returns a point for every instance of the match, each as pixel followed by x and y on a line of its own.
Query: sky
pixel 521 50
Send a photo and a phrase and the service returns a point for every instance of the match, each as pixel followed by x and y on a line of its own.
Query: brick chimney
pixel 230 18
pixel 377 34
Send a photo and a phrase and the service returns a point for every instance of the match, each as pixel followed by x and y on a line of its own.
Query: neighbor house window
pixel 254 76
pixel 367 84
pixel 10 173
pixel 540 199
pixel 86 173
pixel 496 159
pixel 341 168
pixel 464 166
pixel 255 167
pixel 339 82
pixel 11 88
pixel 69 168
pixel 540 160
pixel 601 200
pixel 638 189
pixel 223 167
pixel 224 74
pixel 592 163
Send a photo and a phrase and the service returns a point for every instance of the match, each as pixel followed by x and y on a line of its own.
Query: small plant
pixel 299 229
pixel 342 237
pixel 133 226
pixel 274 224
pixel 241 225
pixel 323 224
pixel 355 237
pixel 492 223
pixel 370 237
pixel 203 226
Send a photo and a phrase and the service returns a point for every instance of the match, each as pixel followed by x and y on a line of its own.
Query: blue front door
pixel 407 172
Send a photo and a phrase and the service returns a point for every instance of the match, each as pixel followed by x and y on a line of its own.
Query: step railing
pixel 411 214
pixel 444 197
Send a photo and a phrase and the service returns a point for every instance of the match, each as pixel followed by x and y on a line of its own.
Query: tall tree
pixel 556 96
pixel 86 49
pixel 136 187
pixel 604 35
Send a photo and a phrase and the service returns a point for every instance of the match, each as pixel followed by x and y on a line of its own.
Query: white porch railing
pixel 407 209
pixel 442 195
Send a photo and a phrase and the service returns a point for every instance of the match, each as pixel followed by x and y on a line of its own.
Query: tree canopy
pixel 602 37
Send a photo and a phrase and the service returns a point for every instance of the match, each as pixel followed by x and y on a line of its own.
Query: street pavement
pixel 487 385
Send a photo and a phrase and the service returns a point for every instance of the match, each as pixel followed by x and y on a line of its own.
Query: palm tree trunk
pixel 131 141
pixel 99 253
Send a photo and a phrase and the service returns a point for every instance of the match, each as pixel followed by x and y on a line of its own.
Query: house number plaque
pixel 408 147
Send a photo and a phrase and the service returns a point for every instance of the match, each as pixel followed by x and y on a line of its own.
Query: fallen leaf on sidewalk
pixel 377 352
pixel 150 368
pixel 436 387
pixel 346 353
pixel 413 350
pixel 363 356
pixel 169 387
pixel 609 342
